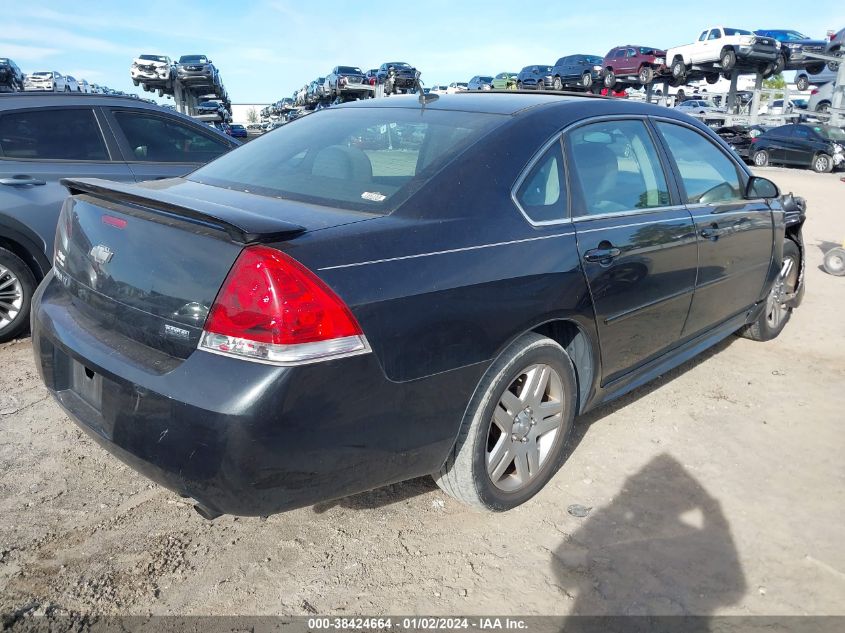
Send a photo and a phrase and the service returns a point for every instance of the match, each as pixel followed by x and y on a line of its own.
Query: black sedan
pixel 376 293
pixel 820 147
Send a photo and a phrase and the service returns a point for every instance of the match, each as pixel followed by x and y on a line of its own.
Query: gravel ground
pixel 717 489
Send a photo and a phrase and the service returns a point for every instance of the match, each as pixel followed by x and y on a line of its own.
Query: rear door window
pixel 159 139
pixel 52 134
pixel 616 168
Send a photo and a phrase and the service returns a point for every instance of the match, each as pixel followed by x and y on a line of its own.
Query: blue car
pixel 238 131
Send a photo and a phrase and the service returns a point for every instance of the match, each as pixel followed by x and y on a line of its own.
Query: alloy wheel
pixel 524 428
pixel 776 308
pixel 11 297
pixel 822 163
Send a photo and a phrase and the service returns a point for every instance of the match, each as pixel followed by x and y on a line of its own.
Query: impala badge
pixel 101 254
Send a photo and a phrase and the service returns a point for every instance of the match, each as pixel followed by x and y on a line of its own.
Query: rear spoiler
pixel 241 226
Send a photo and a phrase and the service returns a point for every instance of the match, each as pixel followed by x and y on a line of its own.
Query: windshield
pixel 42 74
pixel 349 69
pixel 154 58
pixel 647 51
pixel 830 133
pixel 789 36
pixel 193 59
pixel 369 159
pixel 398 65
pixel 486 79
pixel 737 32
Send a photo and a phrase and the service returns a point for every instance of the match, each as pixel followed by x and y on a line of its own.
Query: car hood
pixel 147 62
pixel 820 43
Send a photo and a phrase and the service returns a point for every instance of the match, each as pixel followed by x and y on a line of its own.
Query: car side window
pixel 707 174
pixel 542 194
pixel 800 132
pixel 52 134
pixel 703 36
pixel 715 34
pixel 616 166
pixel 162 140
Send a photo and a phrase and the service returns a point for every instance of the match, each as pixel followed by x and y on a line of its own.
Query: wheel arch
pixel 22 247
pixel 582 351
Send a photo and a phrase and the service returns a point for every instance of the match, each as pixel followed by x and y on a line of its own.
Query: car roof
pixel 19 100
pixel 487 102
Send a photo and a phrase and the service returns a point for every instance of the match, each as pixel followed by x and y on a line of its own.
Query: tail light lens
pixel 273 309
pixel 814 91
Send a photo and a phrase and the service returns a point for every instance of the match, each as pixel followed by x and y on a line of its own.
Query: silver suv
pixel 46 137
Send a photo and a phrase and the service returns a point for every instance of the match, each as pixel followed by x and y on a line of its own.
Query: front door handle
pixel 602 255
pixel 20 181
pixel 711 233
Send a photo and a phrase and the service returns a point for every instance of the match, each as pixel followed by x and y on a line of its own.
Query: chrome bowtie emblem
pixel 101 254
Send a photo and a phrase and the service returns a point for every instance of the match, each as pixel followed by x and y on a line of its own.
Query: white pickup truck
pixel 721 49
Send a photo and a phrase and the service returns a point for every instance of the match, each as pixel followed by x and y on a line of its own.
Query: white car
pixel 456 86
pixel 84 86
pixel 154 71
pixel 697 106
pixel 72 84
pixel 821 98
pixel 439 89
pixel 49 80
pixel 721 49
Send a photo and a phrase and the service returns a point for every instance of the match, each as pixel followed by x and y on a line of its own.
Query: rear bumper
pixel 246 438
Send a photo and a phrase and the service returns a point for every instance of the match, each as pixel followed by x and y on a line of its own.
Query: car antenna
pixel 424 98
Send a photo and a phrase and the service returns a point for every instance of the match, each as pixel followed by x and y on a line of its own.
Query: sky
pixel 266 49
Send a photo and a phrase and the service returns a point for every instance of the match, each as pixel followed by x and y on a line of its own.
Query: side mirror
pixel 761 188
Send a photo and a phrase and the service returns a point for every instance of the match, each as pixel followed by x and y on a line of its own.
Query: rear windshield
pixel 191 59
pixel 367 159
pixel 593 60
pixel 154 58
pixel 647 51
pixel 486 79
pixel 349 69
pixel 736 32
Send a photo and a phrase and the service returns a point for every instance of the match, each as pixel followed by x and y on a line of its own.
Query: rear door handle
pixel 20 181
pixel 602 254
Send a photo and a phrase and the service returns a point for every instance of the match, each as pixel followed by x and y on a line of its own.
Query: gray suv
pixel 45 137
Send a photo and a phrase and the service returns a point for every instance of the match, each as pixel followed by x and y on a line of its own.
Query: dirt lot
pixel 720 488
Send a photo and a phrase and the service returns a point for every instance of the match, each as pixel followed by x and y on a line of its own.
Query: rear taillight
pixel 273 309
pixel 814 91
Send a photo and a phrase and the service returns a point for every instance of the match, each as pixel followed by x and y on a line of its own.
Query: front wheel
pixel 834 261
pixel 822 164
pixel 519 85
pixel 679 69
pixel 646 75
pixel 512 438
pixel 776 313
pixel 803 83
pixel 761 158
pixel 728 59
pixel 557 84
pixel 586 80
pixel 712 79
pixel 17 284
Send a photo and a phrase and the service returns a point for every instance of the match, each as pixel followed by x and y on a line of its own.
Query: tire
pixel 609 78
pixel 779 65
pixel 728 59
pixel 586 80
pixel 646 75
pixel 679 69
pixel 823 106
pixel 519 85
pixel 815 69
pixel 834 261
pixel 491 428
pixel 67 88
pixel 822 163
pixel 17 284
pixel 761 158
pixel 135 82
pixel 557 84
pixel 711 79
pixel 803 83
pixel 834 66
pixel 775 315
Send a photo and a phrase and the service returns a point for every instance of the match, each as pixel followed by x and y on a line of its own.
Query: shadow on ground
pixel 661 547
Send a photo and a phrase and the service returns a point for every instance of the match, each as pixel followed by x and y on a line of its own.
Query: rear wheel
pixel 815 69
pixel 646 75
pixel 834 261
pixel 513 436
pixel 822 164
pixel 776 313
pixel 609 78
pixel 761 158
pixel 824 106
pixel 728 59
pixel 519 85
pixel 834 66
pixel 17 283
